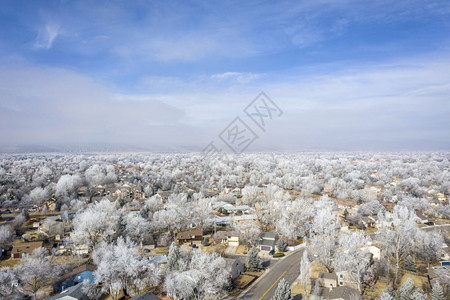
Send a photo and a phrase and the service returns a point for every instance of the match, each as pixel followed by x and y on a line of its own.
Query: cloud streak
pixel 46 36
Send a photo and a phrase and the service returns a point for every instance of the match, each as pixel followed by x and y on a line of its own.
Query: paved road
pixel 444 227
pixel 287 268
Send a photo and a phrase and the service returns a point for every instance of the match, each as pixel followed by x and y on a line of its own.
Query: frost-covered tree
pixel 6 234
pixel 253 260
pixel 406 290
pixel 67 184
pixel 38 195
pixel 36 271
pixel 250 194
pixel 324 248
pixel 19 220
pixel 283 291
pixel 96 175
pixel 119 267
pixel 418 294
pixel 351 257
pixel 437 292
pixel 386 296
pixel 427 245
pixel 325 222
pixel 305 272
pixel 202 212
pixel 137 228
pixel 291 217
pixel 203 277
pixel 9 284
pixel 397 238
pixel 248 233
pixel 96 223
pixel 173 258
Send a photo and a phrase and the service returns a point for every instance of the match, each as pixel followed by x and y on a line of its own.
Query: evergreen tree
pixel 345 213
pixel 419 295
pixel 25 214
pixel 386 296
pixel 281 245
pixel 283 291
pixel 253 260
pixel 121 226
pixel 145 212
pixel 409 264
pixel 390 291
pixel 173 257
pixel 437 292
pixel 406 290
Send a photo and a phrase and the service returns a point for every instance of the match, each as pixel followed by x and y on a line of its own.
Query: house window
pixel 341 275
pixel 341 283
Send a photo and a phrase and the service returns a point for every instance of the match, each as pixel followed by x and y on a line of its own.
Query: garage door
pixel 266 248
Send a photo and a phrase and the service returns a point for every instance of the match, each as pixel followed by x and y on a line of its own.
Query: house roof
pixel 158 259
pixel 146 296
pixel 267 243
pixel 188 234
pixel 328 276
pixel 245 217
pixel 26 247
pixel 270 235
pixel 340 292
pixel 74 292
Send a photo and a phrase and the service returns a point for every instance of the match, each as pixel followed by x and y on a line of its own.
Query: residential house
pixel 374 250
pixel 345 278
pixel 72 293
pixel 36 225
pixel 220 237
pixel 146 296
pixel 367 222
pixel 328 280
pixel 440 273
pixel 233 238
pixel 23 249
pixel 235 267
pixel 240 220
pixel 337 293
pixel 267 241
pixel 445 252
pixel 192 236
pixel 219 221
pixel 80 249
pixel 421 218
pixel 229 238
pixel 52 227
pixel 238 208
pixel 158 260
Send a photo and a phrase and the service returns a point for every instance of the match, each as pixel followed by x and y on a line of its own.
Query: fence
pixel 293 248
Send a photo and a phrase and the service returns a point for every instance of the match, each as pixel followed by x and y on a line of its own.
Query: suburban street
pixel 443 227
pixel 287 268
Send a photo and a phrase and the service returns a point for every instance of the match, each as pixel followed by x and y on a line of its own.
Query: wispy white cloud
pixel 239 77
pixel 46 36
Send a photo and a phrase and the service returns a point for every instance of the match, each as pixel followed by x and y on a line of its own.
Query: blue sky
pixel 348 74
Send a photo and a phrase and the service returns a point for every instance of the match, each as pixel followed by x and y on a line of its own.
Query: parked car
pixel 429 223
pixel 272 252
